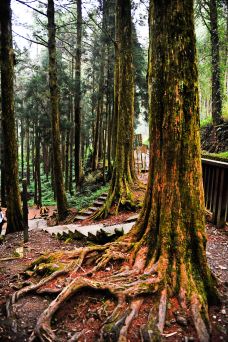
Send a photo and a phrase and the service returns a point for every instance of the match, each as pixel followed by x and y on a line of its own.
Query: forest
pixel 114 170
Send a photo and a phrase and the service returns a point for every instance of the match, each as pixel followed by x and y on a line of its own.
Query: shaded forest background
pixel 85 41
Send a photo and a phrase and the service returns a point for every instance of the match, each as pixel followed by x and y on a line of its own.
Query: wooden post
pixel 25 209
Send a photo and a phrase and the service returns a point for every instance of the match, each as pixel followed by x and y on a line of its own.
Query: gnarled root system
pixel 132 282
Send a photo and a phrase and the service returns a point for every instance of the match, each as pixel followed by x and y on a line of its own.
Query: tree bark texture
pixel 55 115
pixel 100 101
pixel 171 226
pixel 14 211
pixel 78 94
pixel 215 64
pixel 123 172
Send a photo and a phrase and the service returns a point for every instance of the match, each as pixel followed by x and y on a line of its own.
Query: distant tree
pixel 78 94
pixel 123 175
pixel 209 13
pixel 14 212
pixel 55 116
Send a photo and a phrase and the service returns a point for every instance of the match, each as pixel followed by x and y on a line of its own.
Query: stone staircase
pixel 97 204
pixel 97 233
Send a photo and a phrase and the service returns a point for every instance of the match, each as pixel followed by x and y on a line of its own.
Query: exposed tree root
pixel 133 282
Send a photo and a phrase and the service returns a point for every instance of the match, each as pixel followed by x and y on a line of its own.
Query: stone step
pixel 91 232
pixel 80 217
pixel 132 218
pixel 92 209
pixel 98 204
pixel 102 198
pixel 86 213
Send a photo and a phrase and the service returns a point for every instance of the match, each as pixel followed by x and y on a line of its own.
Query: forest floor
pixel 87 311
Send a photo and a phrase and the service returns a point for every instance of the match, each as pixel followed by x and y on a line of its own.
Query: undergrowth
pixel 80 199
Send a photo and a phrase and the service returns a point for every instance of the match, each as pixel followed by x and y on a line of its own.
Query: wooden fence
pixel 215 181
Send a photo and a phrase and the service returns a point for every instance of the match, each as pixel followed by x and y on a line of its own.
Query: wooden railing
pixel 215 181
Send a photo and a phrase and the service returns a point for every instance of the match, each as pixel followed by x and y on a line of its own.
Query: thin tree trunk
pixel 78 94
pixel 55 115
pixel 27 154
pixel 22 148
pixel 100 97
pixel 37 170
pixel 215 62
pixel 10 174
pixel 14 212
pixel 123 174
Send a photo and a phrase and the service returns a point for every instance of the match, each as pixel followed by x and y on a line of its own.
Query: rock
pixel 222 267
pixel 173 321
pixel 223 311
pixel 182 320
pixel 176 313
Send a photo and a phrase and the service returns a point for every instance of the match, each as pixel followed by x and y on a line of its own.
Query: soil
pixel 83 315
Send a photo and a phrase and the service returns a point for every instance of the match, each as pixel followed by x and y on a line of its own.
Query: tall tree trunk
pixel 33 150
pixel 123 173
pixel 38 191
pixel 171 226
pixel 78 93
pixel 215 63
pixel 28 154
pixel 14 212
pixel 46 159
pixel 55 116
pixel 67 151
pixel 2 166
pixel 97 134
pixel 22 148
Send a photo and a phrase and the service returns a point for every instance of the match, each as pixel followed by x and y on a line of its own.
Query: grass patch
pixel 222 156
pixel 206 122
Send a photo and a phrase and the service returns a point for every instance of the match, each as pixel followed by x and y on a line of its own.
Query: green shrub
pixel 206 122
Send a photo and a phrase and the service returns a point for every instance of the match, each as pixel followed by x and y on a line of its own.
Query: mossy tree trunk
pixel 100 100
pixel 171 228
pixel 123 175
pixel 215 61
pixel 78 94
pixel 55 115
pixel 14 212
pixel 27 153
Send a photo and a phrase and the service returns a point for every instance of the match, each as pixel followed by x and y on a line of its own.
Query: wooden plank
pixel 223 165
pixel 208 187
pixel 215 196
pixel 223 198
pixel 212 189
pixel 220 199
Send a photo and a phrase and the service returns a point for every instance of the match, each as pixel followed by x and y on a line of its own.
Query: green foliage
pixel 225 110
pixel 205 122
pixel 89 195
pixel 91 191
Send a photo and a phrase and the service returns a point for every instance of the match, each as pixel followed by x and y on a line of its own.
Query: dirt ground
pixel 82 316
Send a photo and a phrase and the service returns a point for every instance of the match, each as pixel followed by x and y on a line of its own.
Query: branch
pixel 44 41
pixel 30 40
pixel 34 9
pixel 204 20
pixel 104 31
